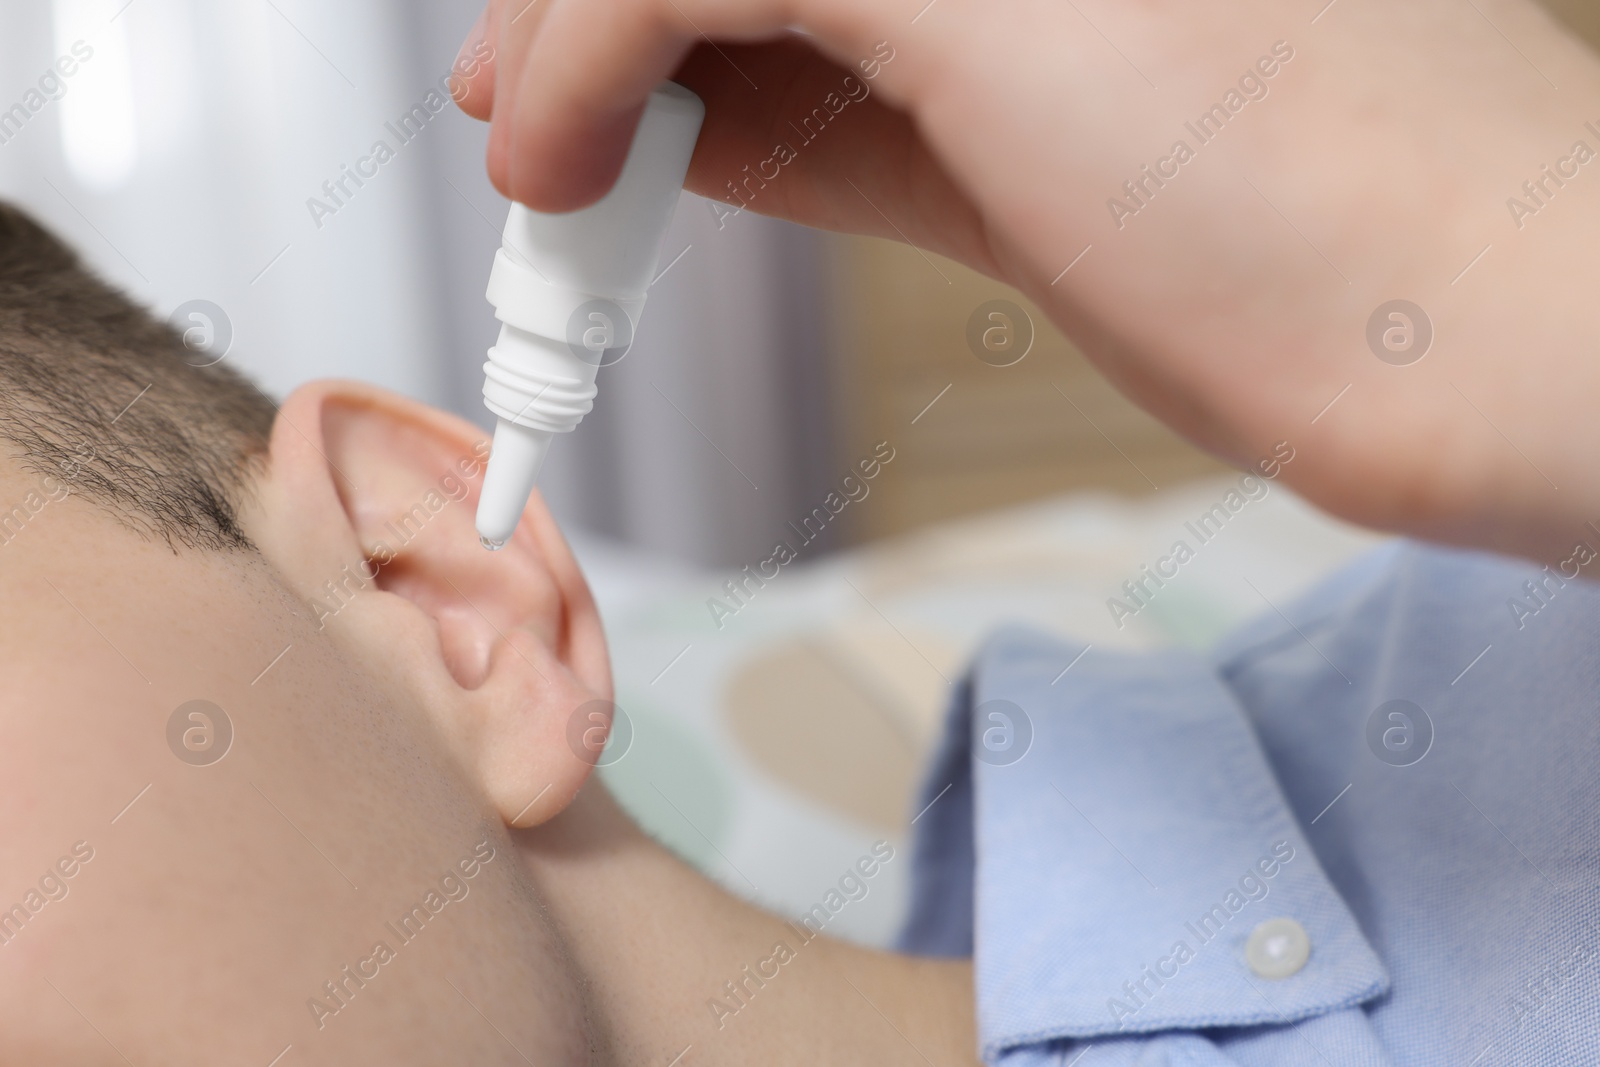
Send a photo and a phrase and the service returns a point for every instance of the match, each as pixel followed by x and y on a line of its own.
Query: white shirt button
pixel 1277 948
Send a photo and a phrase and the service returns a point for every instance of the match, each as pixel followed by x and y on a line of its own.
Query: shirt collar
pixel 1129 836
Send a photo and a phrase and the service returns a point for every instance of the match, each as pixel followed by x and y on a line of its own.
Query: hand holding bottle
pixel 1216 238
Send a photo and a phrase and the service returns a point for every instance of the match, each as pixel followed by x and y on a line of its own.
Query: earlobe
pixel 368 511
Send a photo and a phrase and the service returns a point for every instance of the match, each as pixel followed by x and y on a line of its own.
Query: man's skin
pixel 375 748
pixel 1234 305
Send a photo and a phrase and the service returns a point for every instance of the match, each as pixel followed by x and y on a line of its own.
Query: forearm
pixel 658 944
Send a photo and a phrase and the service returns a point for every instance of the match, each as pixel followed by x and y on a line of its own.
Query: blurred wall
pixel 199 132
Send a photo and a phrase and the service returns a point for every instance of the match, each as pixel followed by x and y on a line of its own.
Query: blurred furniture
pixel 993 435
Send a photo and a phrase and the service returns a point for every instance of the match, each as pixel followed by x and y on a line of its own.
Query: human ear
pixel 366 509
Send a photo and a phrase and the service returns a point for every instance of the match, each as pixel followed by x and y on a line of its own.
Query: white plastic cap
pixel 568 290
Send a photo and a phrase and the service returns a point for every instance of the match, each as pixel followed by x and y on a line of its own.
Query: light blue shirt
pixel 1406 763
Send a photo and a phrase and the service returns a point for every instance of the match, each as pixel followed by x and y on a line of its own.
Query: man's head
pixel 394 695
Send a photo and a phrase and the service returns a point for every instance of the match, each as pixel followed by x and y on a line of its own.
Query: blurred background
pixel 183 157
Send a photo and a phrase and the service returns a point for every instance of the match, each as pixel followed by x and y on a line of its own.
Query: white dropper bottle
pixel 568 289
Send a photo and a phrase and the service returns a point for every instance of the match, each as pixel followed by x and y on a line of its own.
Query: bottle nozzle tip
pixel 508 479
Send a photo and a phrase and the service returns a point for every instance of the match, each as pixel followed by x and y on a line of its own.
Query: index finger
pixel 559 139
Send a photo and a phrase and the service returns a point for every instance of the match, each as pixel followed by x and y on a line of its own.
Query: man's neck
pixel 658 947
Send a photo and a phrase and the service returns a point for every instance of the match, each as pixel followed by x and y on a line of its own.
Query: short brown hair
pixel 75 353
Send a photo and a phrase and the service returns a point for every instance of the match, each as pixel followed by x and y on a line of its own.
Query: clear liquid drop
pixel 490 543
